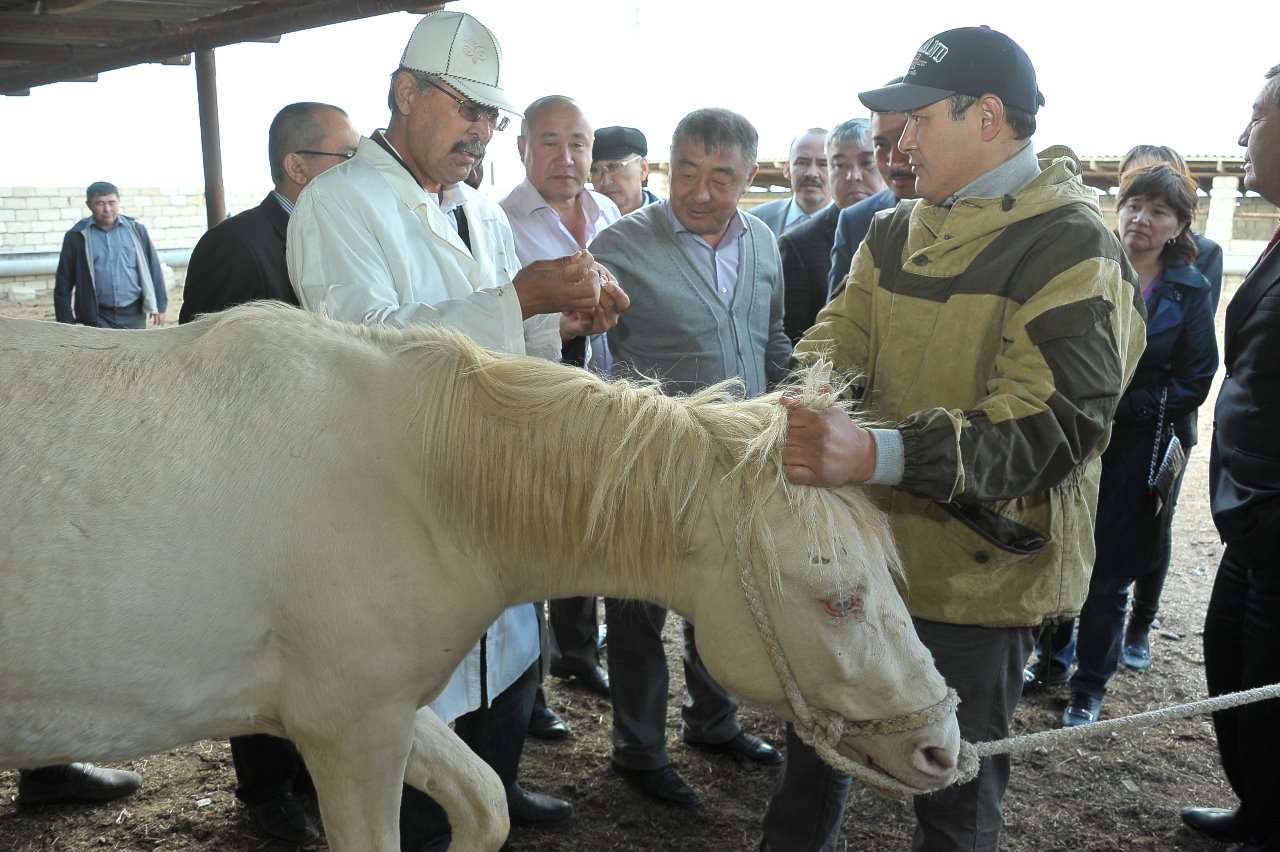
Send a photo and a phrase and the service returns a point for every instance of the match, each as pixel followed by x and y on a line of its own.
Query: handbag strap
pixel 1155 449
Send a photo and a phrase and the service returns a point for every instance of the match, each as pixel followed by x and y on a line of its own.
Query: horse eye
pixel 819 560
pixel 843 606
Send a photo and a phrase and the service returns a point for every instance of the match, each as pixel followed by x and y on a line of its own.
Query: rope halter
pixel 824 729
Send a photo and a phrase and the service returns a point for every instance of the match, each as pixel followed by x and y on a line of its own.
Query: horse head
pixel 825 637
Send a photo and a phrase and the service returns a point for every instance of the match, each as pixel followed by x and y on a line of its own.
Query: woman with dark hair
pixel 1136 651
pixel 1156 206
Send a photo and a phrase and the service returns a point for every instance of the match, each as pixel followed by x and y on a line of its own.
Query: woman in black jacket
pixel 1156 207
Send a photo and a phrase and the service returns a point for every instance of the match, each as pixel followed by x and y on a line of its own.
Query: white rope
pixel 1066 736
pixel 823 729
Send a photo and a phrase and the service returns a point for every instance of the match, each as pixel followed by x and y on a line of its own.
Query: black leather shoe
pixel 1136 653
pixel 746 746
pixel 536 809
pixel 1220 824
pixel 595 680
pixel 284 818
pixel 546 725
pixel 82 782
pixel 1035 679
pixel 1082 709
pixel 663 784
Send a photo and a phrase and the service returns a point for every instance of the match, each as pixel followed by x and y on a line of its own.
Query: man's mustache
pixel 901 175
pixel 470 147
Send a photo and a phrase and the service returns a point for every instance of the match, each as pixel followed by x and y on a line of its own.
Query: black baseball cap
pixel 965 61
pixel 618 143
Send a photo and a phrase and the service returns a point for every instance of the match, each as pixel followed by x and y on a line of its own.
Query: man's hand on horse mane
pixel 825 448
pixel 570 283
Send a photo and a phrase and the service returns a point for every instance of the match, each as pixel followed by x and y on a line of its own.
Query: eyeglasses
pixel 612 167
pixel 341 155
pixel 474 112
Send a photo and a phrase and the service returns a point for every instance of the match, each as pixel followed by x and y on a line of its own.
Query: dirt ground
pixel 1112 794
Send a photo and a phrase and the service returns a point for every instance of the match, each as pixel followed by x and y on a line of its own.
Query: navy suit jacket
pixel 806 262
pixel 1244 465
pixel 239 260
pixel 851 229
pixel 1209 262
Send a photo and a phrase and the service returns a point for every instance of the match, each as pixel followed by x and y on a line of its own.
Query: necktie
pixel 1274 239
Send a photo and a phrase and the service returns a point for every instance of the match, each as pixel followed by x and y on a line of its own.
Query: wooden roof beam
pixel 203 35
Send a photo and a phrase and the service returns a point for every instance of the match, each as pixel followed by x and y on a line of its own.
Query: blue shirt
pixel 719 263
pixel 115 266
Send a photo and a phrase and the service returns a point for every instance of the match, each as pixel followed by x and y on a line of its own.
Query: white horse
pixel 267 521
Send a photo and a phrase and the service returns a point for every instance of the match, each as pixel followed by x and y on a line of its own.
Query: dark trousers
pixel 806 809
pixel 496 734
pixel 984 666
pixel 266 768
pixel 574 649
pixel 129 316
pixel 639 688
pixel 1242 651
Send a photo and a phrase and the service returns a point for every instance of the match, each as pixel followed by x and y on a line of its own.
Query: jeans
pixel 1099 636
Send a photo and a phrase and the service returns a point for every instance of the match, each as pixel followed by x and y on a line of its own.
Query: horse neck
pixel 569 486
pixel 609 572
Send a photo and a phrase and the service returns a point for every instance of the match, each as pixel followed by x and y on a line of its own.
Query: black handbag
pixel 1165 466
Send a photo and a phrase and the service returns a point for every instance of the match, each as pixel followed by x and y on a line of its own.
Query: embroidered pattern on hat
pixel 474 51
pixel 934 49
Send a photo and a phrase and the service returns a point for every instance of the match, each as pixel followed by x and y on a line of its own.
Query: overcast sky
pixel 1112 77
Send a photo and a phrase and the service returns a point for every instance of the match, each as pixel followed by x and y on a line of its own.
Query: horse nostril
pixel 937 760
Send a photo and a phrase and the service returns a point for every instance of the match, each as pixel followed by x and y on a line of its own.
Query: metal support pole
pixel 215 201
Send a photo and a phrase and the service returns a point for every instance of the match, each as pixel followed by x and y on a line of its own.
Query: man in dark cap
pixel 619 168
pixel 991 325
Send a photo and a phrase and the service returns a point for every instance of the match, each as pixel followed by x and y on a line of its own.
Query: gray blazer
pixel 773 214
pixel 677 328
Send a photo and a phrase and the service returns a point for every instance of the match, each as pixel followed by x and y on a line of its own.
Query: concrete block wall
pixel 33 220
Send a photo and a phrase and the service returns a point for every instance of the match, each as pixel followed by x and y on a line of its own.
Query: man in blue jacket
pixel 109 274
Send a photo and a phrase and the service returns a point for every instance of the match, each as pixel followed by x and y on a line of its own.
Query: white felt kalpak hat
pixel 461 51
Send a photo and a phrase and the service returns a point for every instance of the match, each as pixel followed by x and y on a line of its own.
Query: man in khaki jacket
pixel 991 327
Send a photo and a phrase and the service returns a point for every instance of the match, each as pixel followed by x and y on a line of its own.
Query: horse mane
pixel 532 462
pixel 543 463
